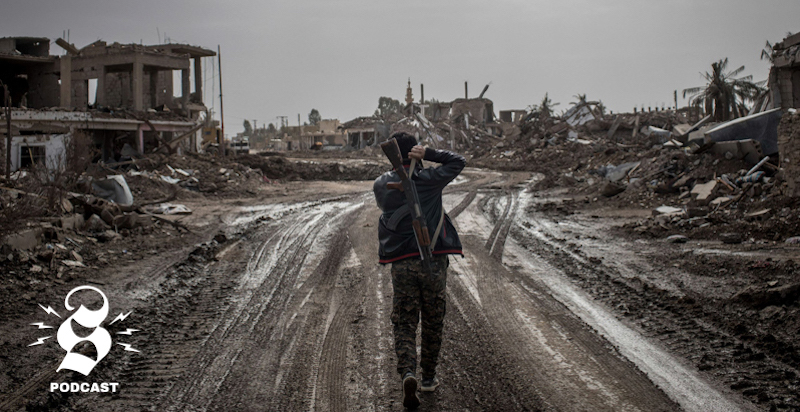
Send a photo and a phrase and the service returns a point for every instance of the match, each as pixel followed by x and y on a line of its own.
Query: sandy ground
pixel 278 303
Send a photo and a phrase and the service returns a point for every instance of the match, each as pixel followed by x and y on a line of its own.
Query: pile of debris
pixel 279 167
pixel 702 178
pixel 732 205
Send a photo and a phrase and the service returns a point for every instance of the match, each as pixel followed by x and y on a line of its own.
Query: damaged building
pixel 784 78
pixel 121 95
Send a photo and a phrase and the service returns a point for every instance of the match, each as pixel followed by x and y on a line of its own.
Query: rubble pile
pixel 717 201
pixel 701 178
pixel 93 235
pixel 278 167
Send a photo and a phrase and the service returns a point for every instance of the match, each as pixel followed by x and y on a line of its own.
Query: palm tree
pixel 725 95
pixel 768 50
pixel 546 107
pixel 581 99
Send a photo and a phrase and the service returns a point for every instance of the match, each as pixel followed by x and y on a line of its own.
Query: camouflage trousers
pixel 415 293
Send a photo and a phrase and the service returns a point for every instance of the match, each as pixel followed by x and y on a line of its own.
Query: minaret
pixel 409 96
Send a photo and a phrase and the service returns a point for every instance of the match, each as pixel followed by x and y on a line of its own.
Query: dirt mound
pixel 278 167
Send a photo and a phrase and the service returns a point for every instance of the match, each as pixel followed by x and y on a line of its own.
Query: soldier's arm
pixel 451 165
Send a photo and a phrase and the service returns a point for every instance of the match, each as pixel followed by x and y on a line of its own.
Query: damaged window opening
pixel 92 97
pixel 30 155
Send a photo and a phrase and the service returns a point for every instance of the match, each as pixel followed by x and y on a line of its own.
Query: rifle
pixel 407 186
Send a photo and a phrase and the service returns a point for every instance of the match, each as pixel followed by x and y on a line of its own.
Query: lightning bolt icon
pixel 49 310
pixel 127 347
pixel 120 318
pixel 41 341
pixel 41 325
pixel 127 331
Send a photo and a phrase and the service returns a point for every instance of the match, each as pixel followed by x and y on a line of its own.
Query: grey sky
pixel 287 57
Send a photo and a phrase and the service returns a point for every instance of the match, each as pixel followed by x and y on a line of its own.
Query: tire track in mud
pixel 652 309
pixel 210 367
pixel 209 307
pixel 530 348
pixel 478 365
pixel 277 343
pixel 463 204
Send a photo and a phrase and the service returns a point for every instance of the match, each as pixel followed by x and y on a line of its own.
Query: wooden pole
pixel 221 138
pixel 7 100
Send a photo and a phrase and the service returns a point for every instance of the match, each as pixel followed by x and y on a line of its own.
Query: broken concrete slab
pixel 748 149
pixel 73 263
pixel 681 182
pixel 611 189
pixel 762 127
pixel 24 240
pixel 656 131
pixel 169 209
pixel 620 172
pixel 703 191
pixel 699 136
pixel 73 222
pixel 680 130
pixel 720 201
pixel 95 224
pixel 667 210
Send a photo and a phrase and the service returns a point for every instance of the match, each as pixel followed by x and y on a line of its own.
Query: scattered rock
pixel 612 189
pixel 677 239
pixel 73 263
pixel 793 240
pixel 730 238
pixel 72 222
pixel 95 224
pixel 24 240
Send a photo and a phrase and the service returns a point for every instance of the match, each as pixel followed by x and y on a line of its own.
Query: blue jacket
pixel 396 236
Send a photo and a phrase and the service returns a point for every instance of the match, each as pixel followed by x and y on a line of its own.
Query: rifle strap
pixel 438 229
pixel 403 211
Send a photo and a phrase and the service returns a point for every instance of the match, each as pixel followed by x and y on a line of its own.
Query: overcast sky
pixel 287 57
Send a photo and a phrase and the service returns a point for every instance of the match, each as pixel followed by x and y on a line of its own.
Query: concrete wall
pixel 328 126
pixel 55 149
pixel 785 88
pixel 43 89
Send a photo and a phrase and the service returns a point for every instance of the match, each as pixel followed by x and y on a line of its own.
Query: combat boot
pixel 410 399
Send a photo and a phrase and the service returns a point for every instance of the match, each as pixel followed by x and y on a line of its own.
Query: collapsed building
pixel 120 95
pixel 784 77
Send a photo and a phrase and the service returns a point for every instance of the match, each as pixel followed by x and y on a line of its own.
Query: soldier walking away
pixel 417 291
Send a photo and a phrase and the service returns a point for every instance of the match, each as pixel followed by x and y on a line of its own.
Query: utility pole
pixel 221 138
pixel 466 95
pixel 675 95
pixel 7 101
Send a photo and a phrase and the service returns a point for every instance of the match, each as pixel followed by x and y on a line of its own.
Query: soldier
pixel 415 291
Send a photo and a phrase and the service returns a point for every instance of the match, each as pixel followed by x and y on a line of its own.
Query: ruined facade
pixel 134 100
pixel 784 78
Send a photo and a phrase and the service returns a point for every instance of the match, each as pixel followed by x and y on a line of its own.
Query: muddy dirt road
pixel 289 311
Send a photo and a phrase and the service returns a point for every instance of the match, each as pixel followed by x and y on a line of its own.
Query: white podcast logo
pixel 87 318
pixel 91 319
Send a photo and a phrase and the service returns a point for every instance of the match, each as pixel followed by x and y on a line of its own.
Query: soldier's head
pixel 405 141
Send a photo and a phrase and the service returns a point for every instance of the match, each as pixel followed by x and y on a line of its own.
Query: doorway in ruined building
pixel 796 88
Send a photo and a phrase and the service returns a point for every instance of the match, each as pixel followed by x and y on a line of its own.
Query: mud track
pixel 291 313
